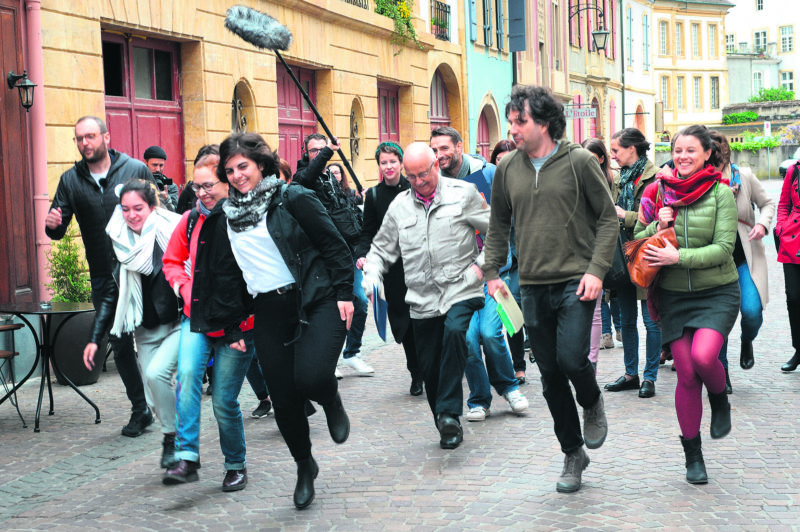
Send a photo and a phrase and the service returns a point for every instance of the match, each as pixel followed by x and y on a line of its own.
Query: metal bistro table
pixel 45 345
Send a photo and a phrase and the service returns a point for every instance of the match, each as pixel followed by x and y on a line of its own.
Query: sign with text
pixel 573 113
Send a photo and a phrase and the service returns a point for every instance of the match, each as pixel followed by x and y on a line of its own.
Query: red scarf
pixel 671 190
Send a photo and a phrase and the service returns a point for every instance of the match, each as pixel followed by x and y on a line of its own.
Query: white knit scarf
pixel 135 255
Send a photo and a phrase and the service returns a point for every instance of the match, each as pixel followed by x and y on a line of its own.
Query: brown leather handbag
pixel 641 271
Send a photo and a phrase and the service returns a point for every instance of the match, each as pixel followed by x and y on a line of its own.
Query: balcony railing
pixel 440 20
pixel 364 4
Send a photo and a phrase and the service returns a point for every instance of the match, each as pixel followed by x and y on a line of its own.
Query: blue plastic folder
pixel 379 310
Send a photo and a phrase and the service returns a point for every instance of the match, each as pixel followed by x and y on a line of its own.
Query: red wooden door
pixel 18 269
pixel 483 144
pixel 143 104
pixel 388 113
pixel 440 113
pixel 296 120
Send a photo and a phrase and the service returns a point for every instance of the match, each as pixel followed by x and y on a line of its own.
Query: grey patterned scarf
pixel 245 210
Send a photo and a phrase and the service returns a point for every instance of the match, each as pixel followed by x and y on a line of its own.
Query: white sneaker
pixel 477 413
pixel 338 374
pixel 361 367
pixel 516 401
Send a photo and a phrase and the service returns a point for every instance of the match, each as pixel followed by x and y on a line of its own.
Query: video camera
pixel 161 180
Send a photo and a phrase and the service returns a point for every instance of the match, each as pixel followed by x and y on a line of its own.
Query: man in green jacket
pixel 566 232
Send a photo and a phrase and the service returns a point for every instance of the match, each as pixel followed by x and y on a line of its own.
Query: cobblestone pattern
pixel 391 474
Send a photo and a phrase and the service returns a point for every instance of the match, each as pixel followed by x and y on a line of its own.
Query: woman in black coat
pixel 376 202
pixel 299 270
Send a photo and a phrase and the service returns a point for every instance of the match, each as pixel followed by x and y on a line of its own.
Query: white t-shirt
pixel 259 258
pixel 98 177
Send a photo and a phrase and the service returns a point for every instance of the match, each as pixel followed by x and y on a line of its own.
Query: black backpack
pixel 346 216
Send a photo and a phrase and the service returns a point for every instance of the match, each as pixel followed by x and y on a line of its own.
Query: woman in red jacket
pixel 787 233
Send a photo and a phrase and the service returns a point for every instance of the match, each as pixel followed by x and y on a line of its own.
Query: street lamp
pixel 599 36
pixel 24 86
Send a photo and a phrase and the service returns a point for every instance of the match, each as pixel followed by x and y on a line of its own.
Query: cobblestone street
pixel 392 475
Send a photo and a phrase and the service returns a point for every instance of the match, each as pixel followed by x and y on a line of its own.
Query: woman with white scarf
pixel 140 230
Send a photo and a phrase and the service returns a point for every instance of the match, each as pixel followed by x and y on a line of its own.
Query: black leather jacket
pixel 160 303
pixel 79 194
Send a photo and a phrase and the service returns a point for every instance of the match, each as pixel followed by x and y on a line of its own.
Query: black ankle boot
pixel 338 422
pixel 307 471
pixel 746 359
pixel 168 451
pixel 720 414
pixel 793 362
pixel 728 385
pixel 695 466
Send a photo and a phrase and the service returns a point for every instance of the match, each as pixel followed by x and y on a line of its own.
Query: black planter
pixel 68 350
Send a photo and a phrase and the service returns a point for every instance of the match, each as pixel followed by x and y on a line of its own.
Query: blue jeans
pixel 486 327
pixel 516 342
pixel 256 379
pixel 352 344
pixel 630 335
pixel 609 314
pixel 230 367
pixel 750 307
pixel 561 324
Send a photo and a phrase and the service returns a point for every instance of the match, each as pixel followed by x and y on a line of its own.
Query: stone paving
pixel 391 474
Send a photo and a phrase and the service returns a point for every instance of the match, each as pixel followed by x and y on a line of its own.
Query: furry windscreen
pixel 257 28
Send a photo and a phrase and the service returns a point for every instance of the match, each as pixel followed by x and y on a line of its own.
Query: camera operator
pixel 155 157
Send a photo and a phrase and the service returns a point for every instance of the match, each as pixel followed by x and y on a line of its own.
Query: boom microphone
pixel 257 28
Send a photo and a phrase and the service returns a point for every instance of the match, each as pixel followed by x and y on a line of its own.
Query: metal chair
pixel 7 360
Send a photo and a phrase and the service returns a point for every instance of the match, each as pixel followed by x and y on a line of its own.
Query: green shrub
pixel 68 271
pixel 754 142
pixel 740 118
pixel 773 95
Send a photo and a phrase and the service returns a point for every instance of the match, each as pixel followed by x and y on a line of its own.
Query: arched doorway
pixel 594 122
pixel 483 144
pixel 638 120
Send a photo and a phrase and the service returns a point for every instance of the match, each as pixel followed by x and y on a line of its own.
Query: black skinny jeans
pixel 791 276
pixel 561 324
pixel 301 370
pixel 442 355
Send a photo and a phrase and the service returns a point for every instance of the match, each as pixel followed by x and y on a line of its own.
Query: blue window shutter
pixel 500 34
pixel 473 21
pixel 487 22
pixel 516 25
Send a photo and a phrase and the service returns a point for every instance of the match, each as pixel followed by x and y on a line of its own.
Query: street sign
pixel 767 129
pixel 579 113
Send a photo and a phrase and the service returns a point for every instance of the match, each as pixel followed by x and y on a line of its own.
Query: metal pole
pixel 319 118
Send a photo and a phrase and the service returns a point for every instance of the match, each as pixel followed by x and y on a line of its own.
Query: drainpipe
pixel 622 55
pixel 37 139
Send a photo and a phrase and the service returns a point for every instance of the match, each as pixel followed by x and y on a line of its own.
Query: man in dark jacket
pixel 311 174
pixel 566 230
pixel 88 191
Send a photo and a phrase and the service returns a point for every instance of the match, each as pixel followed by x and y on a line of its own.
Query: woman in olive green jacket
pixel 698 292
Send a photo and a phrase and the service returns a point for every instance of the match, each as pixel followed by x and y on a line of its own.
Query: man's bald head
pixel 421 167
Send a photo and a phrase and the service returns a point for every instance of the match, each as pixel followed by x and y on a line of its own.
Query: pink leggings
pixel 696 359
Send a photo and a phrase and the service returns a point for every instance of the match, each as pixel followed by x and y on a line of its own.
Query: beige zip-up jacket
pixel 437 245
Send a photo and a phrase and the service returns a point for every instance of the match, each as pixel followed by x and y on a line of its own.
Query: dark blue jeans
pixel 442 351
pixel 750 307
pixel 609 314
pixel 630 335
pixel 360 307
pixel 562 324
pixel 256 379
